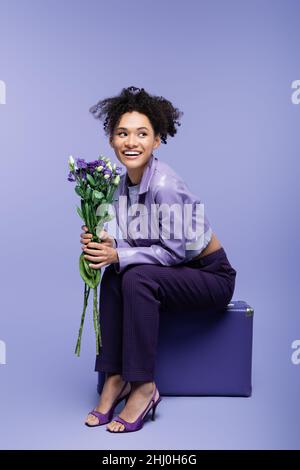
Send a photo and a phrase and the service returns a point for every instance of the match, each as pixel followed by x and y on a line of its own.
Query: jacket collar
pixel 146 177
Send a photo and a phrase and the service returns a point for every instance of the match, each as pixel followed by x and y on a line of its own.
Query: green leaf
pixel 83 210
pixel 83 272
pixel 87 269
pixel 87 215
pixel 90 276
pixel 88 193
pixel 97 195
pixel 80 213
pixel 78 191
pixel 93 219
pixel 91 180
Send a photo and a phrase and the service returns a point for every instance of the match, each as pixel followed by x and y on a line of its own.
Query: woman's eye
pixel 144 133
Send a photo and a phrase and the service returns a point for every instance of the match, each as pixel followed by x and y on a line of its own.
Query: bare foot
pixel 139 398
pixel 111 389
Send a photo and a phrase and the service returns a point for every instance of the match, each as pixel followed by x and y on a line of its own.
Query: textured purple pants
pixel 131 303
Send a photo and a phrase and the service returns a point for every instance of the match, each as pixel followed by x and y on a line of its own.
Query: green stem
pixel 96 322
pixel 86 296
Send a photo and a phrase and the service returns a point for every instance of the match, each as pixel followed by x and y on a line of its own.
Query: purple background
pixel 229 66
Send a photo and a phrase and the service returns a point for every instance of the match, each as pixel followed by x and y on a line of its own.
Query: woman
pixel 150 273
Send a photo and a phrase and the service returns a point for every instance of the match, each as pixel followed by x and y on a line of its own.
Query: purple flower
pixel 81 173
pixel 91 166
pixel 71 177
pixel 107 172
pixel 81 163
pixel 118 170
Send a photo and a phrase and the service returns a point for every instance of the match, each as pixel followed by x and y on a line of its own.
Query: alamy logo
pixel 2 92
pixel 181 220
pixel 295 358
pixel 295 97
pixel 2 352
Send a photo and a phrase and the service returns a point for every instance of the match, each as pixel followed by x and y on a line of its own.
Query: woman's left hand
pixel 99 254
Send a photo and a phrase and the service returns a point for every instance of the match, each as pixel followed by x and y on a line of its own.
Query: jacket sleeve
pixel 120 243
pixel 170 251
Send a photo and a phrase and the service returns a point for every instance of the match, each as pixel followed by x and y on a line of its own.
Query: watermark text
pixel 295 357
pixel 2 352
pixel 2 92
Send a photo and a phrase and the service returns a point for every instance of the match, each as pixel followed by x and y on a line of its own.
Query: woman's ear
pixel 157 142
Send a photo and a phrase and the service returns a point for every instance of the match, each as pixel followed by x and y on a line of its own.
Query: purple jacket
pixel 159 185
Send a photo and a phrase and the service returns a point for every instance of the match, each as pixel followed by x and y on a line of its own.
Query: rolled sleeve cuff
pixel 153 254
pixel 124 253
pixel 122 247
pixel 121 243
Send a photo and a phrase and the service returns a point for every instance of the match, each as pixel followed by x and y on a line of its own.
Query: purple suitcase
pixel 204 353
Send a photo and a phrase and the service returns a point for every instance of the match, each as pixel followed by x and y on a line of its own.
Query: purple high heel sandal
pixel 105 418
pixel 139 423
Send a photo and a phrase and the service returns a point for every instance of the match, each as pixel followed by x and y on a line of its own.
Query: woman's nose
pixel 131 141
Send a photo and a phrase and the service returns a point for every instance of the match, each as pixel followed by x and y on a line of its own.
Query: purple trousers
pixel 131 303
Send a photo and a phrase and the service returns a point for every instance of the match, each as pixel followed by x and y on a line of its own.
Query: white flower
pixel 71 162
pixel 116 180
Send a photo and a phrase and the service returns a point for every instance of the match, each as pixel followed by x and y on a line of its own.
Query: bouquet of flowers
pixel 96 183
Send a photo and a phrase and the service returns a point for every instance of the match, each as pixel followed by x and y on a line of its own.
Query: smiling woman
pixel 136 122
pixel 134 144
pixel 176 272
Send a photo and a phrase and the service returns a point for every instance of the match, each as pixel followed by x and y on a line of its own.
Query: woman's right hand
pixel 105 238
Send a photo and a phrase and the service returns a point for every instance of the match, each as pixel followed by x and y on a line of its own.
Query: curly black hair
pixel 160 112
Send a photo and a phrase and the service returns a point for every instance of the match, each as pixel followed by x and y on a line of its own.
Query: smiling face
pixel 134 133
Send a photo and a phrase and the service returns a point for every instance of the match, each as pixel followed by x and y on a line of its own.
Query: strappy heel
pixel 154 408
pixel 105 418
pixel 139 422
